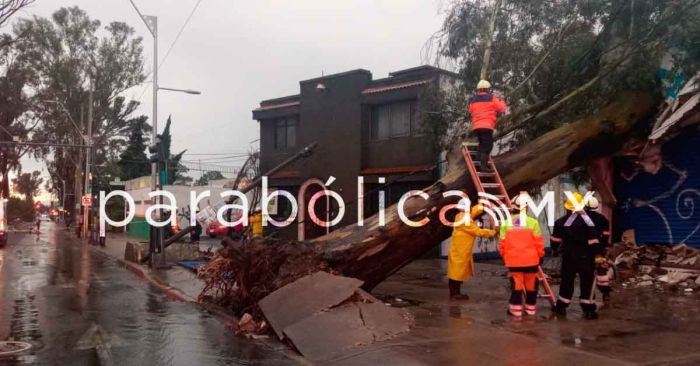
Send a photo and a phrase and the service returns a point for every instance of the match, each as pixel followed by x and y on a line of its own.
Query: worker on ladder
pixel 603 268
pixel 577 238
pixel 522 248
pixel 484 108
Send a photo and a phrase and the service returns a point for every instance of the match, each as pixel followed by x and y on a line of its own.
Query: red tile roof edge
pixel 384 88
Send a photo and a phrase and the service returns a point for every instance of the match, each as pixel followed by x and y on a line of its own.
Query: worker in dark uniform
pixel 603 269
pixel 576 237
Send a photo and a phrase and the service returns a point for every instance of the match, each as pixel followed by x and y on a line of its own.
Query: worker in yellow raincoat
pixel 255 220
pixel 460 260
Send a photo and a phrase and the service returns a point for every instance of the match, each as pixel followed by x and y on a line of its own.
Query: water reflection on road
pixel 77 306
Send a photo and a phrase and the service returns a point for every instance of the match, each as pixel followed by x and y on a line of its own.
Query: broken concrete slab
pixel 383 321
pixel 347 328
pixel 304 297
pixel 325 316
pixel 329 334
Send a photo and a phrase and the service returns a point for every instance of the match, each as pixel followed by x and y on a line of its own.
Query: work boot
pixel 455 294
pixel 559 308
pixel 459 297
pixel 590 315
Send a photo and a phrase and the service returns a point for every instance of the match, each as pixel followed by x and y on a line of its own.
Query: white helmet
pixel 483 84
pixel 593 203
pixel 520 200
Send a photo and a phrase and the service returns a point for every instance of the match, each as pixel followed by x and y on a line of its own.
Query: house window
pixel 394 120
pixel 285 133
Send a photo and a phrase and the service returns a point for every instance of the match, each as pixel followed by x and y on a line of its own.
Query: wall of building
pixel 661 201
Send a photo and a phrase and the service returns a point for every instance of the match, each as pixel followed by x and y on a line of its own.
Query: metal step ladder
pixel 490 183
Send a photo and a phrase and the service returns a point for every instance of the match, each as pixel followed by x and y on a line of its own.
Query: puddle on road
pixel 77 307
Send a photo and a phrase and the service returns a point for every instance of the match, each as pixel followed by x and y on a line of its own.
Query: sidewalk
pixel 643 325
pixel 179 282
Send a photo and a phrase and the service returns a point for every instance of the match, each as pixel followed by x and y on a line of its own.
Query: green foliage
pixel 207 176
pixel 15 117
pixel 28 184
pixel 18 208
pixel 176 171
pixel 133 162
pixel 556 61
pixel 70 55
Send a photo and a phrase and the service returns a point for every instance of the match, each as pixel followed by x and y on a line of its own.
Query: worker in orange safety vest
pixel 521 248
pixel 484 108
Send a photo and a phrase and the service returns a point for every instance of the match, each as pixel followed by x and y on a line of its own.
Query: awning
pixel 681 111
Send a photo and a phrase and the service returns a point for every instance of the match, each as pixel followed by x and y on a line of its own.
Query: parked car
pixel 216 229
pixel 45 217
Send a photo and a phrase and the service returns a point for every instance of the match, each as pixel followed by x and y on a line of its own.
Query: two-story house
pixel 363 127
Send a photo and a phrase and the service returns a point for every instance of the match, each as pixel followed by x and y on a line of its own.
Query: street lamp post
pixel 156 236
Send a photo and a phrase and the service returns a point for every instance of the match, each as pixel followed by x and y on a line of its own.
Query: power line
pixel 177 37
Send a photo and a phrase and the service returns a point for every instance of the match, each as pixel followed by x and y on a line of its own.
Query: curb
pixel 230 319
pixel 171 291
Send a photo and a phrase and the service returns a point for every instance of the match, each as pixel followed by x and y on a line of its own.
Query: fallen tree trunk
pixel 372 252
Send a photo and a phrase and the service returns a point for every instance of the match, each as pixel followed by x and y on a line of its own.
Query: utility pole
pixel 77 189
pixel 156 237
pixel 88 151
pixel 155 181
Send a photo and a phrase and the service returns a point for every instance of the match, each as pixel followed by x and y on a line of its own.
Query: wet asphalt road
pixel 76 306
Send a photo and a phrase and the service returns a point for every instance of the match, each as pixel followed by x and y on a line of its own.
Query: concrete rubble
pixel 326 316
pixel 665 267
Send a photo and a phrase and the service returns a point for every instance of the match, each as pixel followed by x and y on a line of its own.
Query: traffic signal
pixel 37 206
pixel 156 151
pixel 158 156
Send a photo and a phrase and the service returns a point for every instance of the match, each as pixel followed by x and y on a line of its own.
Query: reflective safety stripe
pixel 483 112
pixel 530 309
pixel 554 238
pixel 606 233
pixel 565 300
pixel 593 241
pixel 587 301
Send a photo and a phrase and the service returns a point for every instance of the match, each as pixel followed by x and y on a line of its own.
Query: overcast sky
pixel 240 52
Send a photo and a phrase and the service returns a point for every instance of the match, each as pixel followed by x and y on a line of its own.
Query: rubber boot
pixel 560 308
pixel 590 311
pixel 455 294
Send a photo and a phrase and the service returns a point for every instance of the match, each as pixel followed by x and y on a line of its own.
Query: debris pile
pixel 665 267
pixel 325 316
pixel 243 272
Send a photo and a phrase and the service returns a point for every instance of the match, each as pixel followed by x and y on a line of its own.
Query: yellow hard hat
pixel 570 205
pixel 476 211
pixel 483 84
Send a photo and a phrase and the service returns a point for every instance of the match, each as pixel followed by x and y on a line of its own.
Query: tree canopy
pixel 73 60
pixel 557 60
pixel 133 162
pixel 207 176
pixel 28 184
